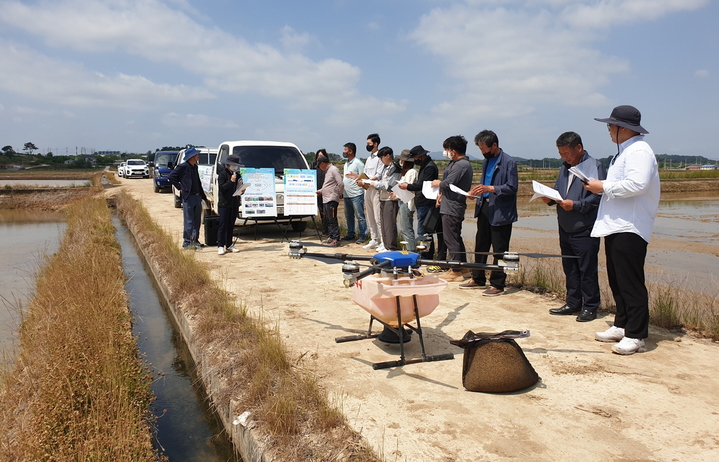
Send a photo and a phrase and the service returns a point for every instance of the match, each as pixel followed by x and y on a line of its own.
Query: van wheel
pixel 299 226
pixel 178 202
pixel 156 188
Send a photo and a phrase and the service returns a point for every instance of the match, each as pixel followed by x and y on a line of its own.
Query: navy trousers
pixel 192 217
pixel 582 281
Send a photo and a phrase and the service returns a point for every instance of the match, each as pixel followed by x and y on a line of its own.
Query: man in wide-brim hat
pixel 630 199
pixel 228 204
pixel 186 178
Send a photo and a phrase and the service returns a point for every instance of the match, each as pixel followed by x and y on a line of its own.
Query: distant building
pixel 108 153
pixel 694 167
pixel 708 167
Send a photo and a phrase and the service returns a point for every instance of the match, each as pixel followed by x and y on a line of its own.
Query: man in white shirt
pixel 625 219
pixel 353 195
pixel 373 169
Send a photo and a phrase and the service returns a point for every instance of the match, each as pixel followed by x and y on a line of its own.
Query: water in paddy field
pixel 187 429
pixel 25 240
pixel 683 250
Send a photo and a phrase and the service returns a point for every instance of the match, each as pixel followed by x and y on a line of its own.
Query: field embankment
pixel 78 390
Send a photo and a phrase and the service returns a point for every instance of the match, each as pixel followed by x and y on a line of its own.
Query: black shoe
pixel 565 310
pixel 348 238
pixel 586 316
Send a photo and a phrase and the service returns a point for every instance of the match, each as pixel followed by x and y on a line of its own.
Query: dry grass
pixel 669 306
pixel 78 390
pixel 285 400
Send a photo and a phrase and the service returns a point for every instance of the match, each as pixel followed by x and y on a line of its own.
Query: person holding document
pixel 495 211
pixel 625 219
pixel 576 214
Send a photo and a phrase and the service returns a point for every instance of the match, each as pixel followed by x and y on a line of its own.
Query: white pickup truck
pixel 257 154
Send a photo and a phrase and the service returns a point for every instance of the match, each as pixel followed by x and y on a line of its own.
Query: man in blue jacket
pixel 186 178
pixel 495 211
pixel 576 215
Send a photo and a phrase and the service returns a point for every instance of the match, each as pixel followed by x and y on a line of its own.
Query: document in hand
pixel 544 191
pixel 241 189
pixel 404 195
pixel 363 177
pixel 460 191
pixel 428 191
pixel 584 171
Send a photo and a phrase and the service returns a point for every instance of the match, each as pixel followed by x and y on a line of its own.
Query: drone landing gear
pixel 393 333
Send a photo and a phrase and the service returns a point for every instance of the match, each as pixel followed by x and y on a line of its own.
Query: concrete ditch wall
pixel 244 438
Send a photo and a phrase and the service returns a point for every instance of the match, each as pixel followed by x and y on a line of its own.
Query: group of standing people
pixel 619 204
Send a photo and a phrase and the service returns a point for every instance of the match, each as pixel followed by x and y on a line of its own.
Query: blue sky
pixel 136 75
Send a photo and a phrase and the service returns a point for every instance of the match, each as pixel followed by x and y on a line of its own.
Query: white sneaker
pixel 629 346
pixel 381 248
pixel 613 334
pixel 221 251
pixel 232 248
pixel 372 244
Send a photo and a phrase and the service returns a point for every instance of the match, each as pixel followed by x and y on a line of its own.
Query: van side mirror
pixel 170 166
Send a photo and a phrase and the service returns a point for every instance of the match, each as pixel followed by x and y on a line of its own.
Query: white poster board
pixel 205 172
pixel 300 192
pixel 260 198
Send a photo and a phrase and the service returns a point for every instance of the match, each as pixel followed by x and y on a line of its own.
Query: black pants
pixel 228 215
pixel 388 223
pixel 626 253
pixel 330 220
pixel 496 237
pixel 452 233
pixel 582 281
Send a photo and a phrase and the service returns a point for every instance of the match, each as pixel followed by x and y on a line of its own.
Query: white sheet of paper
pixel 544 191
pixel 578 173
pixel 460 191
pixel 404 195
pixel 428 191
pixel 243 187
pixel 370 182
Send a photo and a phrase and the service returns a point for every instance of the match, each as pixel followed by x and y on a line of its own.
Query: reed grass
pixel 286 402
pixel 79 390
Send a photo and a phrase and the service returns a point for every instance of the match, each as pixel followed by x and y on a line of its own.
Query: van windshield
pixel 164 159
pixel 277 157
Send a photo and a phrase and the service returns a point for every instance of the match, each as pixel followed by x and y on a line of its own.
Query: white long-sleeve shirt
pixel 631 192
pixel 373 166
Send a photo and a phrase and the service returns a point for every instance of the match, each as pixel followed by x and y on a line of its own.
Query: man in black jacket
pixel 428 171
pixel 576 215
pixel 186 179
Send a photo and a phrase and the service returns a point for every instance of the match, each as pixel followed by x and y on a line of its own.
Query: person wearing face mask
pixel 228 205
pixel 353 195
pixel 452 205
pixel 373 169
pixel 495 211
pixel 389 202
pixel 428 171
pixel 186 178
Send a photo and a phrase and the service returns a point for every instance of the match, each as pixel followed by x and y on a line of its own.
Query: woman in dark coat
pixel 228 204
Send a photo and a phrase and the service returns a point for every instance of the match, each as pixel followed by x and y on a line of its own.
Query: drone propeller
pixel 530 255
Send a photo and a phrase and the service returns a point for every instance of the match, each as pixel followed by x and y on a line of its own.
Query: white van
pixel 262 154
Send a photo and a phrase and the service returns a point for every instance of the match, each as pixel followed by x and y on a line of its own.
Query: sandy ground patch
pixel 591 404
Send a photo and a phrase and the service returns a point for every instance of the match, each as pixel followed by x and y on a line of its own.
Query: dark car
pixel 164 163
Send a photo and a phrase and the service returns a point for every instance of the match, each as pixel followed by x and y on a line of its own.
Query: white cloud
pixel 196 121
pixel 608 13
pixel 27 72
pixel 293 41
pixel 702 73
pixel 223 61
pixel 505 62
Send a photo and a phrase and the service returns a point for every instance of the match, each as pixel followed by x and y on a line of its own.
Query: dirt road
pixel 662 405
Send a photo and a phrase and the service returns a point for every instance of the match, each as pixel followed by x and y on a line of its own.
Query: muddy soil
pixel 662 405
